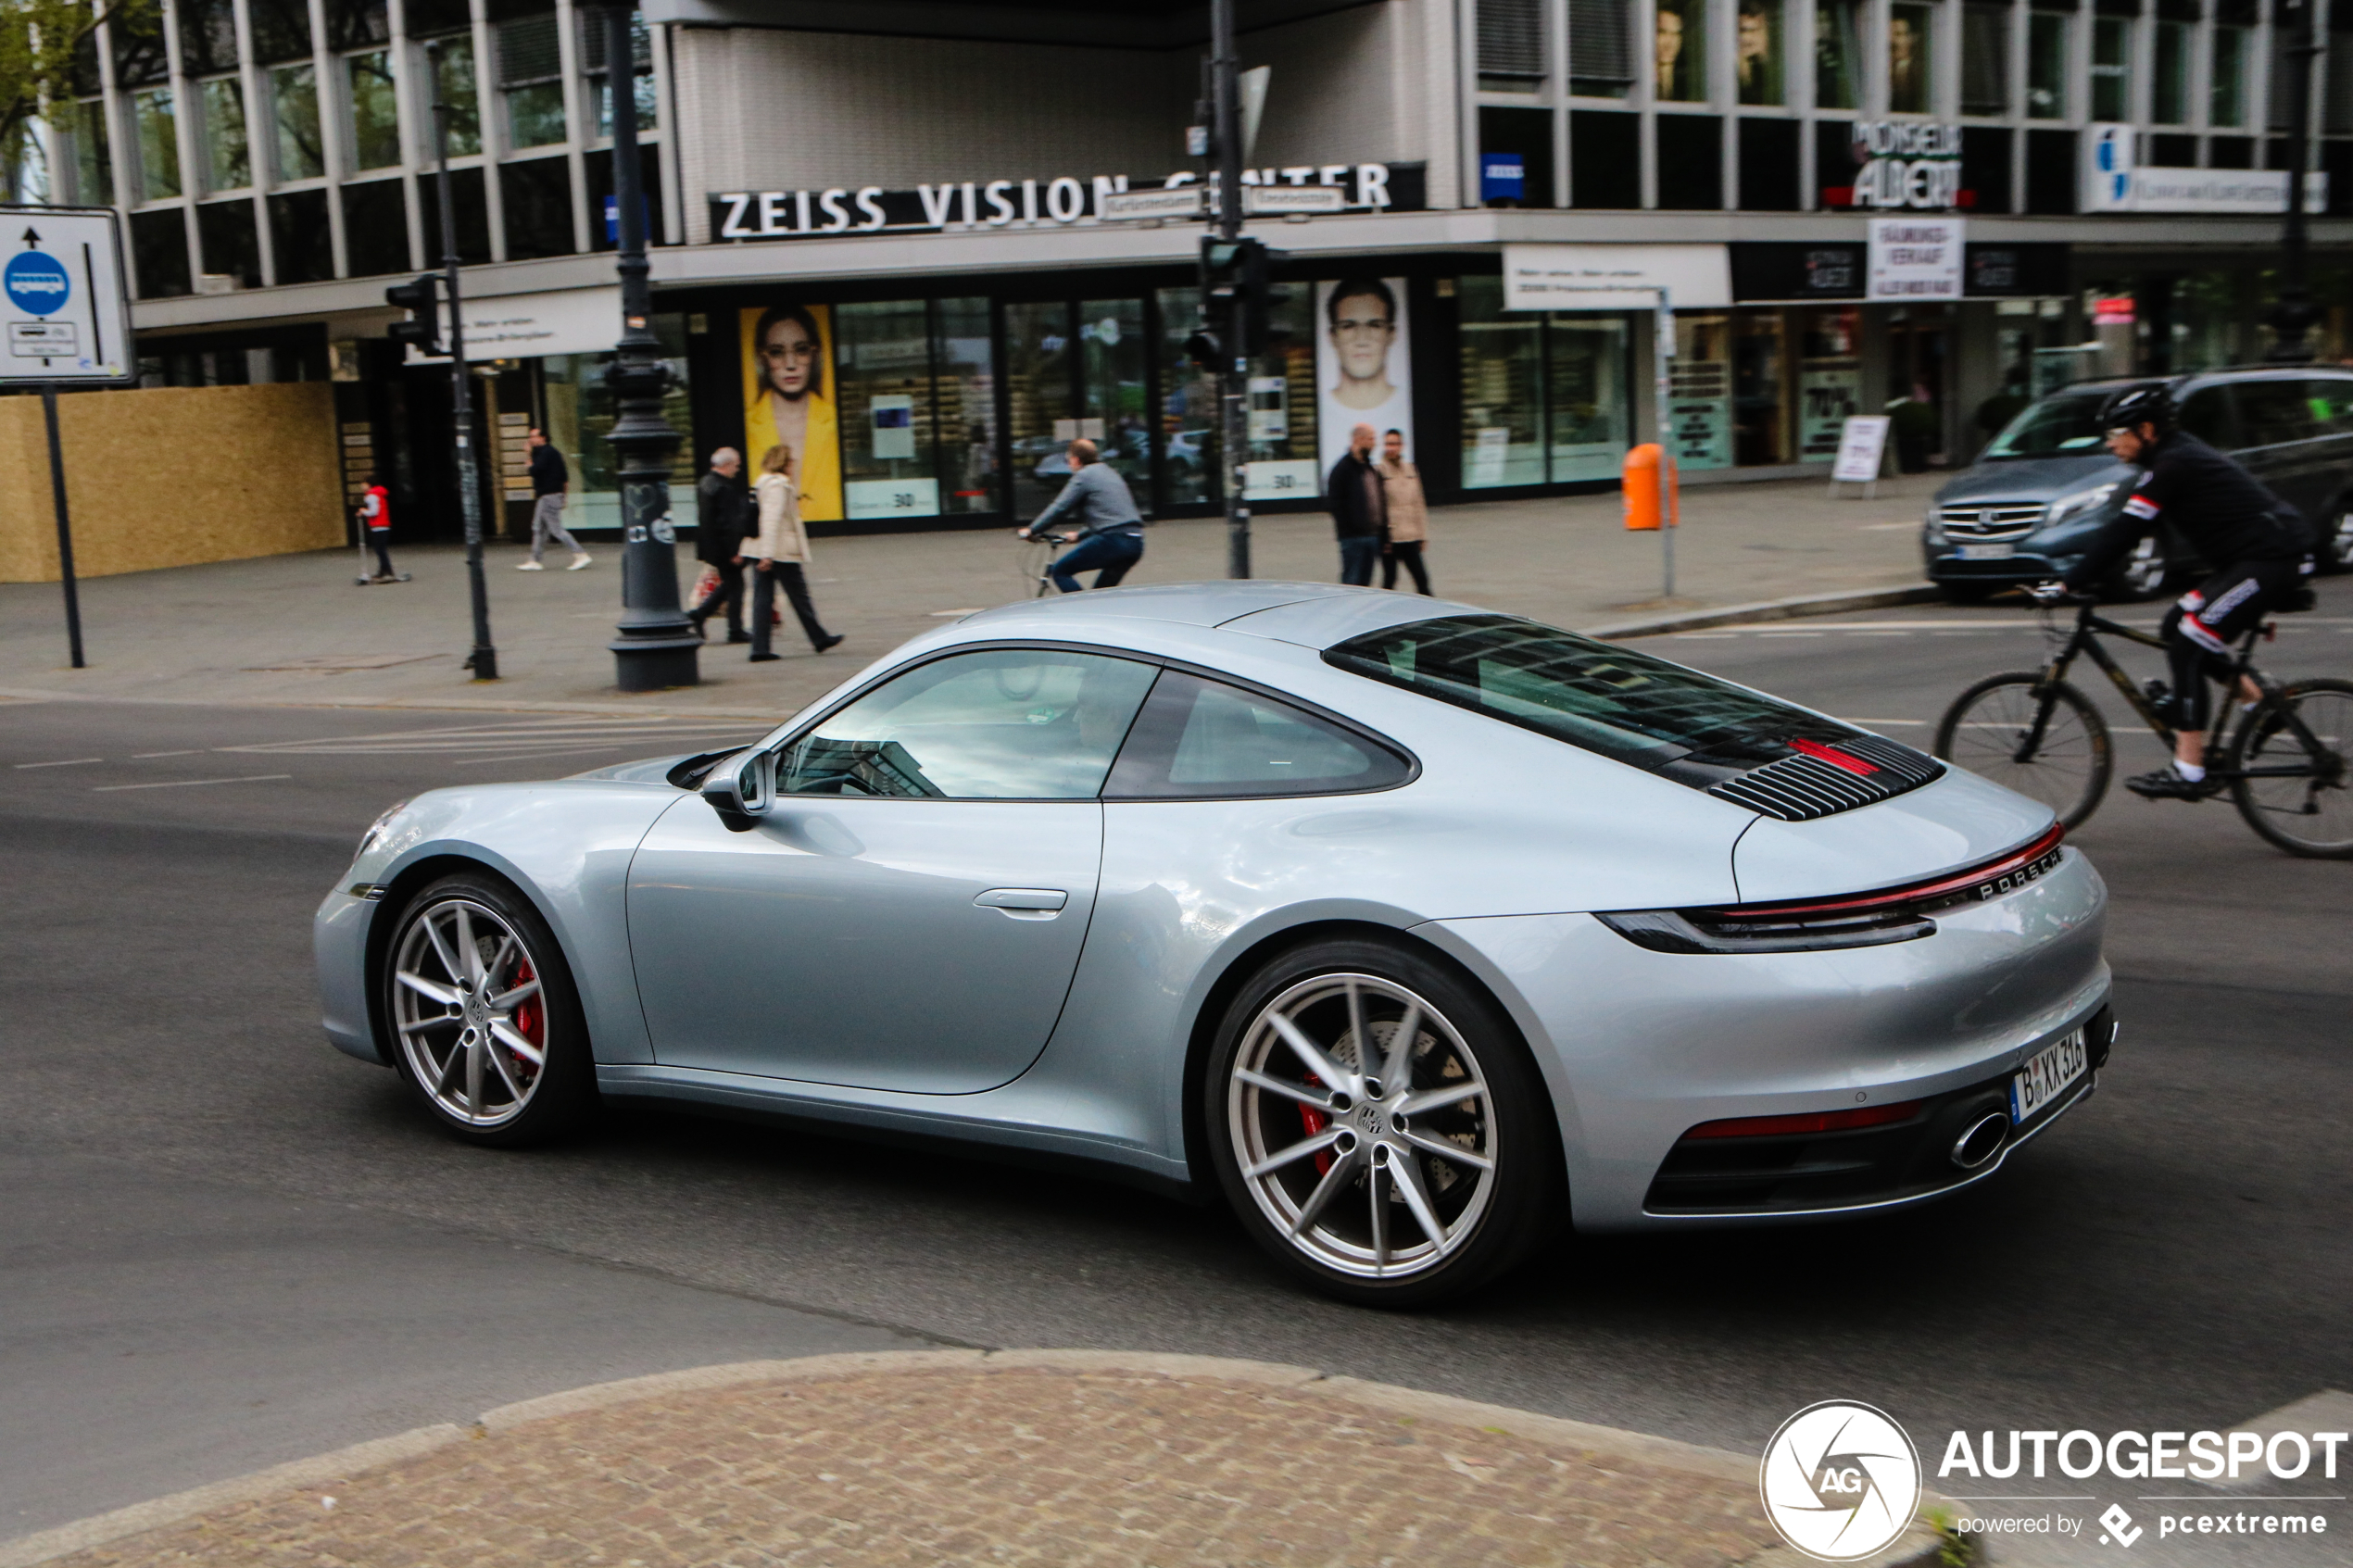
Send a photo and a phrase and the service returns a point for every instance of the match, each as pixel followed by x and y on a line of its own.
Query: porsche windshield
pixel 1625 705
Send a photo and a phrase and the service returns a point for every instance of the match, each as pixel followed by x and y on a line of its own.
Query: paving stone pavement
pixel 1018 1457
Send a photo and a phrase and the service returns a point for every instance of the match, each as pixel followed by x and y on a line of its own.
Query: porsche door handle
pixel 1025 903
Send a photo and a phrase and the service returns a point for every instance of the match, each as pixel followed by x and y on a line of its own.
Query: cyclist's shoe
pixel 2166 785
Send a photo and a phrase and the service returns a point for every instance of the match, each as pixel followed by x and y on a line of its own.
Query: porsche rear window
pixel 1625 705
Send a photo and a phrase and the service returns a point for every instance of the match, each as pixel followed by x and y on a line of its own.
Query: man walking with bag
pixel 1359 503
pixel 722 516
pixel 549 478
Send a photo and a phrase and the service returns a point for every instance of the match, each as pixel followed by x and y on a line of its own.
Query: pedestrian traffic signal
pixel 422 299
pixel 1235 272
pixel 1204 351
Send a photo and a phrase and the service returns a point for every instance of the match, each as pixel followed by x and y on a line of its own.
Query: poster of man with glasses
pixel 1363 373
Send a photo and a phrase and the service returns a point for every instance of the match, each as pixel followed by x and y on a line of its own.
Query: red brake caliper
pixel 531 1016
pixel 1315 1121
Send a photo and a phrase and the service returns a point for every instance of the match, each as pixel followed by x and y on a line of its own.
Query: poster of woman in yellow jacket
pixel 788 355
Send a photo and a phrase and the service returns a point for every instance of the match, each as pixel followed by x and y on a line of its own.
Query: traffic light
pixel 422 299
pixel 1238 269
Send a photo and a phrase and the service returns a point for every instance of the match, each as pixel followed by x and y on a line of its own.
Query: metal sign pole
pixel 65 527
pixel 1670 491
pixel 484 659
pixel 1226 138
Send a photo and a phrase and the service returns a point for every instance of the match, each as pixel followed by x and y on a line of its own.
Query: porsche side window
pixel 997 724
pixel 1200 739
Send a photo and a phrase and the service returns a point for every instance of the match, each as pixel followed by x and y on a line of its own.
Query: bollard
pixel 1649 472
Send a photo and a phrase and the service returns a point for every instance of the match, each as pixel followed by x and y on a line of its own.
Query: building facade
pixel 918 240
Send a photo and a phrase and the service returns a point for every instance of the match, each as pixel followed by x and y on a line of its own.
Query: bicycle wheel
pixel 2308 811
pixel 2045 741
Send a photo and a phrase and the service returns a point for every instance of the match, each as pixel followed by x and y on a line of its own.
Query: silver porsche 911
pixel 1414 929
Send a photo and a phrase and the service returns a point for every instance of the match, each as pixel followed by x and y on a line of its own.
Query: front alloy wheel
pixel 1381 1132
pixel 484 1015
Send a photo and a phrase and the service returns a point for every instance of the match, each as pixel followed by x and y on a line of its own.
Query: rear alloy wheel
pixel 1379 1127
pixel 488 1027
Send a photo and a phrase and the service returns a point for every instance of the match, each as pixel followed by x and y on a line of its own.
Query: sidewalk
pixel 293 629
pixel 880 1460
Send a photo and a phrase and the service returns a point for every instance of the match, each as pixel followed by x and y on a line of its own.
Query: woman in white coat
pixel 780 550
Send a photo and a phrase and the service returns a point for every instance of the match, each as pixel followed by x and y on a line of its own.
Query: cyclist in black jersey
pixel 2256 543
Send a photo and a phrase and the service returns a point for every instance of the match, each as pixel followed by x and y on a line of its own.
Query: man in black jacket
pixel 722 516
pixel 1359 507
pixel 549 479
pixel 2255 542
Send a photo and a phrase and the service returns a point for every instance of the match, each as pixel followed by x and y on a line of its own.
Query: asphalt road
pixel 225 1245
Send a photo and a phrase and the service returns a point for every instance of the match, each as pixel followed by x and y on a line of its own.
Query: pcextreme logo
pixel 1840 1481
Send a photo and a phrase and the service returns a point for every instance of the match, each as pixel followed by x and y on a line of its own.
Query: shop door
pixel 1073 368
pixel 1917 371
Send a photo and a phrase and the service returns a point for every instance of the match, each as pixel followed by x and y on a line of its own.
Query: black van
pixel 2026 510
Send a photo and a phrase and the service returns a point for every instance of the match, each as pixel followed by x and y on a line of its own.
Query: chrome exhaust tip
pixel 1983 1141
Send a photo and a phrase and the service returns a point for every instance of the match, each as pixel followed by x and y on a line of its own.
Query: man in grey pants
pixel 548 479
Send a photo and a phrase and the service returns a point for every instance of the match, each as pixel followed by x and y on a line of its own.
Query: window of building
pixel 227 160
pixel 1601 48
pixel 1829 379
pixel 1188 436
pixel 1768 165
pixel 1690 162
pixel 964 394
pixel 531 81
pixel 1757 59
pixel 280 30
pixel 1986 60
pixel 641 52
pixel 355 24
pixel 536 195
pixel 2226 104
pixel 159 253
pixel 1511 46
pixel 207 37
pixel 300 238
pixel 580 415
pixel 141 58
pixel 1516 138
pixel 2111 68
pixel 456 86
pixel 1838 54
pixel 151 111
pixel 1699 391
pixel 473 216
pixel 92 152
pixel 294 103
pixel 1586 402
pixel 1760 402
pixel 598 167
pixel 882 397
pixel 2046 61
pixel 375 227
pixel 1678 58
pixel 226 235
pixel 2169 92
pixel 1911 39
pixel 1111 348
pixel 374 106
pixel 1543 395
pixel 1604 158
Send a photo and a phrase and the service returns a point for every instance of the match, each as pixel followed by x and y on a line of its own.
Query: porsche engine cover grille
pixel 1822 779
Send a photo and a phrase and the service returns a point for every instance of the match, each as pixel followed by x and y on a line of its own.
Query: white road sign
pixel 62 299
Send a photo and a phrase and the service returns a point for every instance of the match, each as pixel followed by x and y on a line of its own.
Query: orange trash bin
pixel 1649 487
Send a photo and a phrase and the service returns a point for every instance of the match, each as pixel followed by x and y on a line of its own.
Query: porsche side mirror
pixel 742 788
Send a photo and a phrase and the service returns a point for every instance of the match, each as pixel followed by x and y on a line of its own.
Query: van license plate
pixel 2046 1072
pixel 1988 552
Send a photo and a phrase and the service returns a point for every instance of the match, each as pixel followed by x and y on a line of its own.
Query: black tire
pixel 1368 1173
pixel 2068 771
pixel 2310 817
pixel 478 1085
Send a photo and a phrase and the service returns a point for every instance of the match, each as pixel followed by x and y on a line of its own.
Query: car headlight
pixel 2070 507
pixel 376 827
pixel 1934 525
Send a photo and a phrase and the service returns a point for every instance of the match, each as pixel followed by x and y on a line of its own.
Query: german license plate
pixel 2046 1072
pixel 1988 552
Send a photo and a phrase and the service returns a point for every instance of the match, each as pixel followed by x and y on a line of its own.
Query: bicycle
pixel 2285 764
pixel 1037 555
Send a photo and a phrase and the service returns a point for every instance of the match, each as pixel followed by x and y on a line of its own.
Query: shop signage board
pixel 1057 201
pixel 1905 163
pixel 63 306
pixel 2115 181
pixel 1615 277
pixel 1915 258
pixel 526 326
pixel 1861 450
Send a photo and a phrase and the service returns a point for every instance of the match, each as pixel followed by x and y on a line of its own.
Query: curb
pixel 1769 609
pixel 1918 1548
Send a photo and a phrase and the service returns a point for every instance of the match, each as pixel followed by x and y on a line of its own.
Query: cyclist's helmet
pixel 2137 405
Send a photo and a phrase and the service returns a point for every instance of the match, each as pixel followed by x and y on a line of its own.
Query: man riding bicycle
pixel 1113 539
pixel 2255 542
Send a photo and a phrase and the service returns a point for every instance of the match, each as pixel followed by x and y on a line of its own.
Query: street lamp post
pixel 2295 314
pixel 1224 72
pixel 658 646
pixel 484 659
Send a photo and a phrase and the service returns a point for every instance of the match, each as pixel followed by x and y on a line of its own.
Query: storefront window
pixel 1585 373
pixel 1680 57
pixel 1283 464
pixel 1838 54
pixel 580 416
pixel 1760 408
pixel 2047 65
pixel 964 377
pixel 1830 379
pixel 1038 380
pixel 2111 68
pixel 1759 52
pixel 1910 36
pixel 882 397
pixel 1111 340
pixel 1189 409
pixel 1699 393
pixel 1502 360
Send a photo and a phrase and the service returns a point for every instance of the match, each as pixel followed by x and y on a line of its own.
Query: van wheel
pixel 2339 548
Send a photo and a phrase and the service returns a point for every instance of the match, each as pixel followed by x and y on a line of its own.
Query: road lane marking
pixel 183 784
pixel 69 762
pixel 141 756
